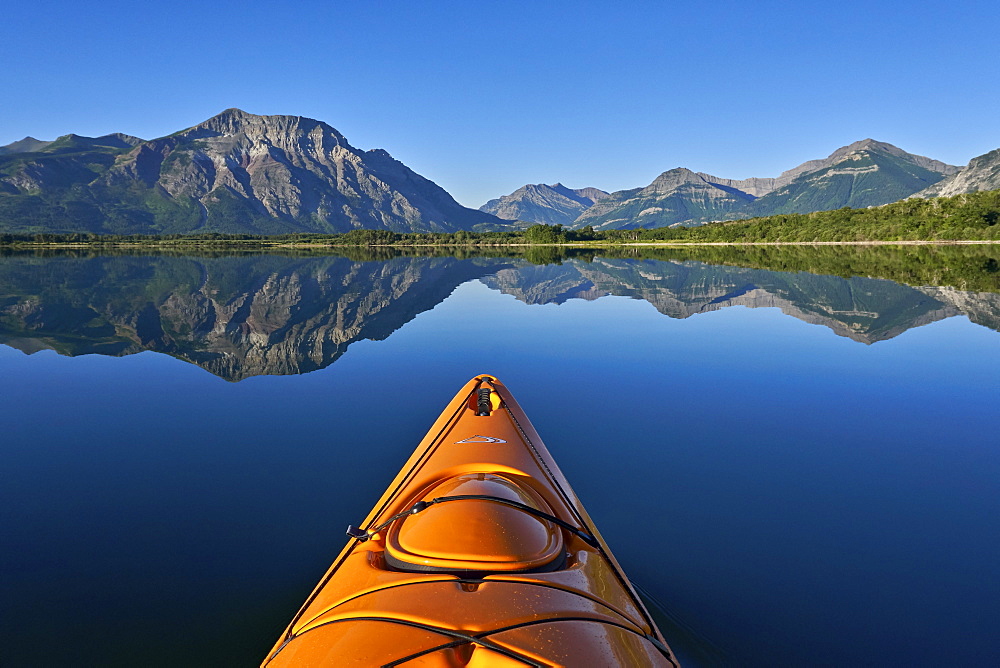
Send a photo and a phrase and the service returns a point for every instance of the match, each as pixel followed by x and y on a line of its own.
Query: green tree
pixel 545 234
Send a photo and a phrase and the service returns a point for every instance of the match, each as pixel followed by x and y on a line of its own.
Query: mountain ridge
pixel 674 196
pixel 863 173
pixel 234 172
pixel 238 172
pixel 540 203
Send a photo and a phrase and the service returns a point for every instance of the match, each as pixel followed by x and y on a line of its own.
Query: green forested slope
pixel 972 216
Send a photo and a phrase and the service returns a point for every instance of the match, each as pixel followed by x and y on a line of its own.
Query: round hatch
pixel 475 534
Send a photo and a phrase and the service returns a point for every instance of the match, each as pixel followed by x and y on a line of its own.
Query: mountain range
pixel 247 174
pixel 863 174
pixel 236 172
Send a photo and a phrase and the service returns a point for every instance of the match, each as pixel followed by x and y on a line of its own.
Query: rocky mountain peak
pixel 860 147
pixel 275 129
pixel 866 145
pixel 869 143
pixel 673 179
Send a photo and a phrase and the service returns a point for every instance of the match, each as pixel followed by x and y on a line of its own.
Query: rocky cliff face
pixel 540 203
pixel 758 187
pixel 982 173
pixel 593 195
pixel 242 173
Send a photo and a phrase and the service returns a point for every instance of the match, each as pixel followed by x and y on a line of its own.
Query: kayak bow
pixel 478 554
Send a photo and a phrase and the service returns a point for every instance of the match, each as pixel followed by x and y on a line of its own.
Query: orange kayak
pixel 478 554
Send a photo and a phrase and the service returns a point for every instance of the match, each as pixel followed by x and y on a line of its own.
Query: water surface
pixel 793 453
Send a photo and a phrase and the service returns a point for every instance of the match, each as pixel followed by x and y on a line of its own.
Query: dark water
pixel 802 466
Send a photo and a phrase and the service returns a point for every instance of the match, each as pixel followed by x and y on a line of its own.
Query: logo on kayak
pixel 481 439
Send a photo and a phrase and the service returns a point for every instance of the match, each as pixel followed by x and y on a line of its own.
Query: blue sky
pixel 485 97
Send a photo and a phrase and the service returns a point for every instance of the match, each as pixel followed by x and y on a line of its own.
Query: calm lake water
pixel 796 453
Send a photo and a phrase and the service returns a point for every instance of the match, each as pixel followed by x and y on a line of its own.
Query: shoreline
pixel 321 246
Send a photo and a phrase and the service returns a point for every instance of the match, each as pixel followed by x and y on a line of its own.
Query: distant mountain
pixel 676 196
pixel 236 172
pixel 50 174
pixel 982 173
pixel 26 145
pixel 71 144
pixel 865 173
pixel 540 203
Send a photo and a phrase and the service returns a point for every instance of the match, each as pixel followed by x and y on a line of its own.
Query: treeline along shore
pixel 966 267
pixel 967 217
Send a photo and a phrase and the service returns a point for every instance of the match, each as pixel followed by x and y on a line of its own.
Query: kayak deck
pixel 478 554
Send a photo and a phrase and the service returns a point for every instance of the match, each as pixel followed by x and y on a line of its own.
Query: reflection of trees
pixel 967 267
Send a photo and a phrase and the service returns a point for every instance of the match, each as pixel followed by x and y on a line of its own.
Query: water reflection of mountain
pixel 862 309
pixel 253 315
pixel 234 316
